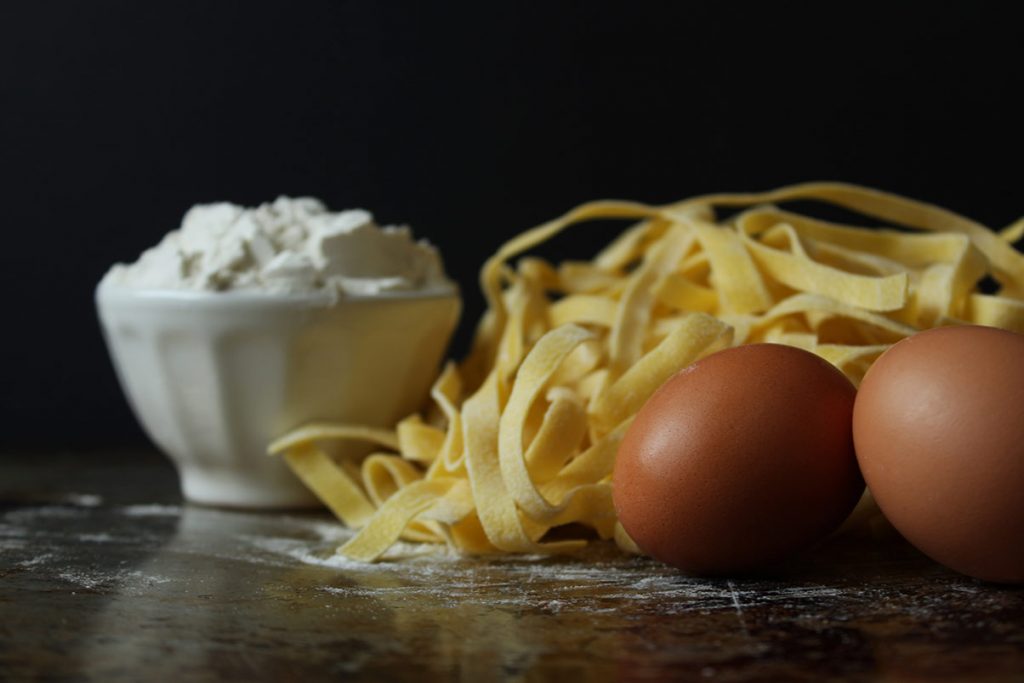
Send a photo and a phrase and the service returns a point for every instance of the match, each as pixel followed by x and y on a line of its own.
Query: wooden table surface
pixel 106 575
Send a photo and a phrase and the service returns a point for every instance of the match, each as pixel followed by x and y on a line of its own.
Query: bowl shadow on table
pixel 206 606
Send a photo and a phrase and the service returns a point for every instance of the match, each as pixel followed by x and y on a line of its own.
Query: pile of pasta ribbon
pixel 521 437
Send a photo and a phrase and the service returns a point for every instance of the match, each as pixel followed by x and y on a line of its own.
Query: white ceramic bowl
pixel 214 377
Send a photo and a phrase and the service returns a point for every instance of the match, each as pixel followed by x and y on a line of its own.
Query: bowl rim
pixel 109 292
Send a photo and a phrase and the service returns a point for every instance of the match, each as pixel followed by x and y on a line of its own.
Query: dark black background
pixel 471 122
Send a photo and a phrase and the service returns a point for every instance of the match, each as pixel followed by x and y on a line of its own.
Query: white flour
pixel 286 246
pixel 152 510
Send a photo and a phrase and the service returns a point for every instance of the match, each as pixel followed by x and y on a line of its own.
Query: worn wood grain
pixel 105 575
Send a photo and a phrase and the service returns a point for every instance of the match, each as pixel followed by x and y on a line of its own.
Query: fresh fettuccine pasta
pixel 521 438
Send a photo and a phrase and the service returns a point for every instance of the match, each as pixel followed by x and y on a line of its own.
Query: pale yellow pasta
pixel 1013 232
pixel 531 378
pixel 561 431
pixel 383 474
pixel 395 515
pixel 734 275
pixel 633 314
pixel 331 484
pixel 623 397
pixel 583 309
pixel 520 438
pixel 419 442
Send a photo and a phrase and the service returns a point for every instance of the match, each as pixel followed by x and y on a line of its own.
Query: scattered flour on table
pixel 410 575
pixel 84 579
pixel 599 579
pixel 36 561
pixel 151 510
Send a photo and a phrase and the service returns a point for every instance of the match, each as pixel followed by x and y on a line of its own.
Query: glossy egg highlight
pixel 739 461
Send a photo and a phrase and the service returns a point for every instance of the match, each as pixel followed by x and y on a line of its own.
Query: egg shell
pixel 739 460
pixel 939 433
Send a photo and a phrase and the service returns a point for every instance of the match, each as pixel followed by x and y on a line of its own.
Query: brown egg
pixel 740 460
pixel 939 431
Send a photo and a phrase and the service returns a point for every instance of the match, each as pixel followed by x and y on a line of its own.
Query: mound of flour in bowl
pixel 290 245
